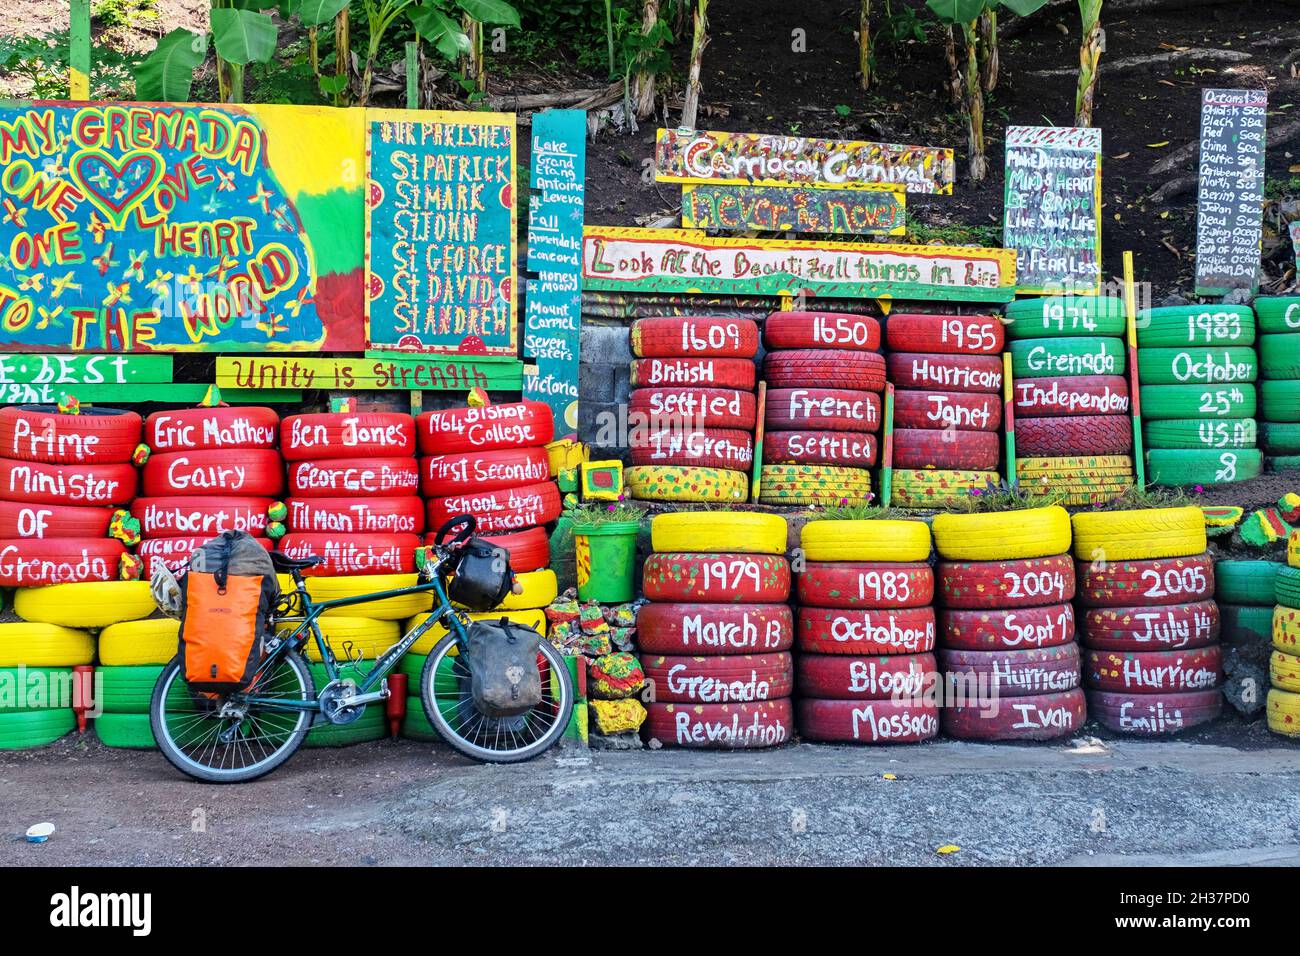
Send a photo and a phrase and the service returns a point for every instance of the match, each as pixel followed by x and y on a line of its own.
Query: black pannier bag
pixel 481 578
pixel 502 660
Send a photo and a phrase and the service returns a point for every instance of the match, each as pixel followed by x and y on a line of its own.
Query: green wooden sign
pixel 55 369
pixel 172 393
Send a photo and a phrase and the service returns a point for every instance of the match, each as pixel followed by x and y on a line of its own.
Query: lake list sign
pixel 1230 200
pixel 1053 197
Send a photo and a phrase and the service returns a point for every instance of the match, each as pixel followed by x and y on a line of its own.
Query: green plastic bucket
pixel 606 560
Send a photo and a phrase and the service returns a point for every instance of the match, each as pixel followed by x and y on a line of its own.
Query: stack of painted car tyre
pixel 1279 387
pixel 692 409
pixel 866 669
pixel 1197 368
pixel 715 638
pixel 1150 625
pixel 1244 590
pixel 209 470
pixel 947 376
pixel 1283 706
pixel 1074 433
pixel 36 662
pixel 61 477
pixel 824 376
pixel 1006 632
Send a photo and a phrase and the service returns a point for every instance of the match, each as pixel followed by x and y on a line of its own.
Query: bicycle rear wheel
pixel 199 742
pixel 450 708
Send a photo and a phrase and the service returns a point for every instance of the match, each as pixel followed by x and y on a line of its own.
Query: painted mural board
pixel 678 260
pixel 440 231
pixel 880 212
pixel 760 159
pixel 1052 208
pixel 432 373
pixel 136 227
pixel 1230 192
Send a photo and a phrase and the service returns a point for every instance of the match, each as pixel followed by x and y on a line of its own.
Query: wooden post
pixel 342 45
pixel 864 44
pixel 1009 417
pixel 79 50
pixel 1130 307
pixel 756 468
pixel 887 449
pixel 413 74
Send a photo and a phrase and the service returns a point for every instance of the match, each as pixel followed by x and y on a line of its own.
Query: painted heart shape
pixel 98 175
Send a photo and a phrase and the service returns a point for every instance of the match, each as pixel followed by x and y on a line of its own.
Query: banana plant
pixel 1089 56
pixel 436 21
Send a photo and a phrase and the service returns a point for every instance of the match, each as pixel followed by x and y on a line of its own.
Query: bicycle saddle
pixel 283 562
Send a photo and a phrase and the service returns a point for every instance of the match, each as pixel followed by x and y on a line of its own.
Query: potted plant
pixel 604 538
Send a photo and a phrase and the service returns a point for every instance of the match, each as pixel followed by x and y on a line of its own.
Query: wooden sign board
pixel 757 159
pixel 678 260
pixel 1052 210
pixel 1230 196
pixel 879 212
pixel 440 232
pixel 1295 244
pixel 363 374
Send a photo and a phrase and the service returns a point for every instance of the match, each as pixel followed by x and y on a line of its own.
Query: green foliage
pixel 900 26
pixel 860 513
pixel 959 234
pixel 41 66
pixel 243 36
pixel 1004 496
pixel 1282 188
pixel 167 73
pixel 315 12
pixel 124 13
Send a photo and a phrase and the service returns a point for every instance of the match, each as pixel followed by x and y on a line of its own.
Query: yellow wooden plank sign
pixel 425 373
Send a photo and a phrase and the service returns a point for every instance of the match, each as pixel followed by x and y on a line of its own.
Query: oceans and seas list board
pixel 1230 197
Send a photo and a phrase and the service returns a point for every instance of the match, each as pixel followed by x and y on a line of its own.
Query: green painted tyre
pixel 1246 582
pixel 1278 313
pixel 1059 356
pixel 1183 466
pixel 1196 366
pixel 1201 433
pixel 21 730
pixel 415 725
pixel 51 690
pixel 1280 399
pixel 127 690
pixel 1180 326
pixel 1278 463
pixel 1197 401
pixel 1280 438
pixel 1246 624
pixel 130 731
pixel 1065 315
pixel 1279 356
pixel 371 725
pixel 1287 587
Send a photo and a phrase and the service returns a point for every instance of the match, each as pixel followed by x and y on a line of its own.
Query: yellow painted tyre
pixel 865 540
pixel 1284 671
pixel 44 645
pixel 534 618
pixel 686 483
pixel 540 589
pixel 1073 465
pixel 1286 629
pixel 92 604
pixel 743 531
pixel 934 488
pixel 1293 549
pixel 1284 712
pixel 1003 536
pixel 367 636
pixel 390 609
pixel 1137 535
pixel 135 643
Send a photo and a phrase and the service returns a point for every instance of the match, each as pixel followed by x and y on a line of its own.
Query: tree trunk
pixel 864 44
pixel 643 90
pixel 974 105
pixel 342 51
pixel 989 50
pixel 471 64
pixel 954 72
pixel 700 39
pixel 1089 57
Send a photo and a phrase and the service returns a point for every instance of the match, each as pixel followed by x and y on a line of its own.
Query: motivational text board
pixel 356 374
pixel 1230 196
pixel 865 212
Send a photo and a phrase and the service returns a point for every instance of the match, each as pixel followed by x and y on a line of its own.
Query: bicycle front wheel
pixel 450 708
pixel 241 746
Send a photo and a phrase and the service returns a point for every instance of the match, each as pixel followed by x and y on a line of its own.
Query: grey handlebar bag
pixel 502 661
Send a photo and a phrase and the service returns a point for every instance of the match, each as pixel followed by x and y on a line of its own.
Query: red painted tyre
pixel 866 584
pixel 864 633
pixel 973 411
pixel 694 336
pixel 101 436
pixel 1031 582
pixel 945 334
pixel 36 483
pixel 719 679
pixel 1171 627
pixel 226 471
pixel 822 409
pixel 1153 672
pixel 354 553
pixel 354 477
pixel 1071 436
pixel 1077 395
pixel 694 372
pixel 697 407
pixel 18 520
pixel 508 425
pixel 844 449
pixel 992 629
pixel 878 677
pixel 821 330
pixel 506 509
pixel 695 447
pixel 1041 670
pixel 696 629
pixel 347 435
pixel 208 517
pixel 716 577
pixel 1033 717
pixel 400 515
pixel 837 369
pixel 953 450
pixel 442 475
pixel 720 726
pixel 867 722
pixel 1152 582
pixel 530 550
pixel 945 373
pixel 197 429
pixel 1150 715
pixel 175 552
pixel 31 562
